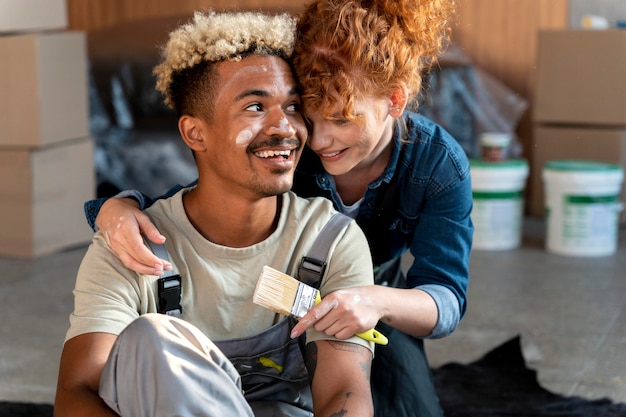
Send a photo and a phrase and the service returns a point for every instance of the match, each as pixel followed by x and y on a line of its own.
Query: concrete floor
pixel 570 312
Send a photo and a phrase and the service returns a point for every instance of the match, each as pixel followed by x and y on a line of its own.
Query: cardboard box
pixel 589 144
pixel 43 84
pixel 32 15
pixel 42 192
pixel 581 77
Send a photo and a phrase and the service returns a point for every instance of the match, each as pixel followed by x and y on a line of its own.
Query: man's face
pixel 257 133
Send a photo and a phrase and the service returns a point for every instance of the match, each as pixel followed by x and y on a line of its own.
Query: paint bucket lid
pixel 496 139
pixel 581 166
pixel 506 175
pixel 506 164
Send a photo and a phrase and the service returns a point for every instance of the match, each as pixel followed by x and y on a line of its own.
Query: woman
pixel 403 178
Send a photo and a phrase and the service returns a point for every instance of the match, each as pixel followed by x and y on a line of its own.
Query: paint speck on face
pixel 283 124
pixel 243 138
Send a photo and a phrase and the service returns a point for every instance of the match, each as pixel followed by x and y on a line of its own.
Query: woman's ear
pixel 190 129
pixel 399 99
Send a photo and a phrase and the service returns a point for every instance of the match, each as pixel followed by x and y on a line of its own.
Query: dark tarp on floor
pixel 498 385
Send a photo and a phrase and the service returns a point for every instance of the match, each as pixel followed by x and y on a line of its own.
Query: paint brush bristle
pixel 283 294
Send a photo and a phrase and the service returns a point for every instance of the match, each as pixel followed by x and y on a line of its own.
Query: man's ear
pixel 191 130
pixel 399 99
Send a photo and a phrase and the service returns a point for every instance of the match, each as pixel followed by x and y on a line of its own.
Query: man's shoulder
pixel 309 205
pixel 305 217
pixel 168 208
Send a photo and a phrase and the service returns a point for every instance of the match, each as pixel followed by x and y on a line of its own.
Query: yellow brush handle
pixel 371 335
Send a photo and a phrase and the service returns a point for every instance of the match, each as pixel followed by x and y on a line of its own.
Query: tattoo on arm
pixel 366 367
pixel 311 357
pixel 347 347
pixel 351 347
pixel 343 410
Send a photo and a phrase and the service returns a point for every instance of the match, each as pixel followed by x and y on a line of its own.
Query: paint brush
pixel 286 295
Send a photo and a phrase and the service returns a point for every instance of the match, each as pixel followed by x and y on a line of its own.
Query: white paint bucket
pixel 498 193
pixel 582 207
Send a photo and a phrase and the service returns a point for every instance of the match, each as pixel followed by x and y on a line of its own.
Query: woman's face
pixel 343 144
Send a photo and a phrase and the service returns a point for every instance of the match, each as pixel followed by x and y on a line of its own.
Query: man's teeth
pixel 271 154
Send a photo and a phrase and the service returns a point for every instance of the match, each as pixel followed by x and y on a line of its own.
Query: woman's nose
pixel 318 139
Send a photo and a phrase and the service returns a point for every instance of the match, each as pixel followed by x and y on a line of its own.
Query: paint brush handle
pixel 371 335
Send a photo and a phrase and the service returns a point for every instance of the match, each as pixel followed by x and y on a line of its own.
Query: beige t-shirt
pixel 217 281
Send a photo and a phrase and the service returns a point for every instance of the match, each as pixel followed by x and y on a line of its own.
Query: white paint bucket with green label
pixel 498 193
pixel 582 207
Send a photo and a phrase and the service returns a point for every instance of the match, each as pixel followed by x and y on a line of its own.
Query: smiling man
pixel 215 353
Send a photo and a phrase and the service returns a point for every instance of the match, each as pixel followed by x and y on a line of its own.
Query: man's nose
pixel 280 125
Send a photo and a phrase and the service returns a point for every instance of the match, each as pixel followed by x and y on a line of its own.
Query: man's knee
pixel 161 329
pixel 146 329
pixel 152 335
pixel 155 348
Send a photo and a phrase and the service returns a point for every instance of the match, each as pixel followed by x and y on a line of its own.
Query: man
pixel 227 77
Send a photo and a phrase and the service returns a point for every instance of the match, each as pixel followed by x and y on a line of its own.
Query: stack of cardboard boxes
pixel 46 154
pixel 580 102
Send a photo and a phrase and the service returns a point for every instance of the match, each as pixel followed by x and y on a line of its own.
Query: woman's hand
pixel 122 224
pixel 344 313
pixel 349 311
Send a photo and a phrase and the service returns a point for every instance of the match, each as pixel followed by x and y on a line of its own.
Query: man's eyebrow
pixel 252 92
pixel 256 92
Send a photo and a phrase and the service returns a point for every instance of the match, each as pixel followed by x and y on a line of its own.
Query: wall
pixel 96 14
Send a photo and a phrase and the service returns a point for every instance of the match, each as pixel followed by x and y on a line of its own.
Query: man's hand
pixel 122 223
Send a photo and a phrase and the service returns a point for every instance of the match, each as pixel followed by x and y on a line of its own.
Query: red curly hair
pixel 367 47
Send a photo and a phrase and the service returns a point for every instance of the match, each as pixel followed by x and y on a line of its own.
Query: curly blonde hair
pixel 213 37
pixel 362 47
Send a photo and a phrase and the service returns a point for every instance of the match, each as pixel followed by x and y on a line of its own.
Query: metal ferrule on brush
pixel 305 300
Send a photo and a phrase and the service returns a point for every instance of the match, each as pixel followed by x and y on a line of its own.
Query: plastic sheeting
pixel 137 144
pixel 467 101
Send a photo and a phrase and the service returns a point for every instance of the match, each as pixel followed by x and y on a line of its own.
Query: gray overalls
pixel 162 366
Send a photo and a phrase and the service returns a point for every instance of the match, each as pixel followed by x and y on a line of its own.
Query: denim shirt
pixel 421 203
